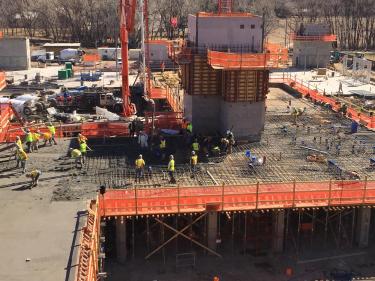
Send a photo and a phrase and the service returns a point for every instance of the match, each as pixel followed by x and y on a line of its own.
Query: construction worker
pixel 83 149
pixel 36 137
pixel 21 157
pixel 77 155
pixel 193 163
pixel 162 147
pixel 34 175
pixel 230 138
pixel 47 137
pixel 29 140
pixel 81 138
pixel 52 130
pixel 19 143
pixel 171 169
pixel 139 167
pixel 224 144
pixel 195 146
pixel 189 128
pixel 215 151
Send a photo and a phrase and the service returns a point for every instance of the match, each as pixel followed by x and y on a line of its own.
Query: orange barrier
pixel 168 200
pixel 324 38
pixel 225 60
pixel 2 80
pixel 351 113
pixel 166 92
pixel 91 57
pixel 163 120
pixel 6 114
pixel 88 266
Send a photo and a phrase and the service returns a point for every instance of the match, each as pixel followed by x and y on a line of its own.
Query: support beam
pixel 363 226
pixel 278 225
pixel 212 230
pixel 121 240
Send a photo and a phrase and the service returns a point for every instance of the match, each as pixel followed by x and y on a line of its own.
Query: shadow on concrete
pixel 73 255
pixel 28 182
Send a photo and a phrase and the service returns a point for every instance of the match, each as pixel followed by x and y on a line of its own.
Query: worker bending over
pixel 171 169
pixel 77 155
pixel 34 175
pixel 52 131
pixel 21 157
pixel 139 168
pixel 162 147
pixel 195 146
pixel 47 137
pixel 193 163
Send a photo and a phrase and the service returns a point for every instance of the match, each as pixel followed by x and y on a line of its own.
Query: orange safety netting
pixel 324 38
pixel 169 200
pixel 352 113
pixel 225 60
pixel 91 57
pixel 2 80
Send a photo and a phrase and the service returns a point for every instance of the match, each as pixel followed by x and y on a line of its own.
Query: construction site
pixel 217 156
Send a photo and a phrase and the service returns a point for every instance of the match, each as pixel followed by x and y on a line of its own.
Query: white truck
pixel 25 105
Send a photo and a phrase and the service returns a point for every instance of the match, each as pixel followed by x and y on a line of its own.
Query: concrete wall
pixel 210 114
pixel 158 52
pixel 15 54
pixel 224 31
pixel 313 29
pixel 311 54
pixel 245 119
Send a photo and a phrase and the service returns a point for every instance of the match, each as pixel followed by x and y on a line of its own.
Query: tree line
pixel 96 22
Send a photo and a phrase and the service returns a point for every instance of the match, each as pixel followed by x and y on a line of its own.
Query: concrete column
pixel 278 225
pixel 121 240
pixel 212 230
pixel 363 227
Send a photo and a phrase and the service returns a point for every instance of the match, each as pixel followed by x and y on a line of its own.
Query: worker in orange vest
pixel 81 138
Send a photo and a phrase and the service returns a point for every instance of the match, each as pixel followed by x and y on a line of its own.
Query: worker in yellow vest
pixel 36 137
pixel 19 143
pixel 81 138
pixel 193 163
pixel 139 168
pixel 34 175
pixel 47 137
pixel 83 149
pixel 77 155
pixel 29 140
pixel 52 130
pixel 171 169
pixel 195 146
pixel 162 147
pixel 21 157
pixel 189 128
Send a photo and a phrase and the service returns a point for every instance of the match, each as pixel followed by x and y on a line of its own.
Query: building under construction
pixel 298 186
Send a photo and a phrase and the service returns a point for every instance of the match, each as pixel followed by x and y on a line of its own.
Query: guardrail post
pixel 222 196
pixel 136 200
pixel 329 192
pixel 257 197
pixel 178 198
pixel 364 191
pixel 294 193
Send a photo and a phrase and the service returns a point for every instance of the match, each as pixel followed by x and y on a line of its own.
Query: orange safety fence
pixel 88 251
pixel 166 92
pixel 2 80
pixel 352 113
pixel 168 200
pixel 91 57
pixel 225 60
pixel 6 114
pixel 324 38
pixel 163 120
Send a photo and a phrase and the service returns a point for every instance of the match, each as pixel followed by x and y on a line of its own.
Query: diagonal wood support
pixel 180 232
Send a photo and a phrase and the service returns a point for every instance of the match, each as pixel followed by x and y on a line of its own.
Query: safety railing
pixel 163 120
pixel 89 246
pixel 324 38
pixel 167 93
pixel 225 60
pixel 2 80
pixel 146 201
pixel 317 94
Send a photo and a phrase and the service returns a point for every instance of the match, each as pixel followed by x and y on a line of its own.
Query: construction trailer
pixel 312 45
pixel 225 70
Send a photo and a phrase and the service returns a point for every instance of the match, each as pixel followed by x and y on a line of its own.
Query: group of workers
pixel 140 165
pixel 32 140
pixel 80 153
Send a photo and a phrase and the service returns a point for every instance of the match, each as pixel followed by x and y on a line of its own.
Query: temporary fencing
pixel 168 200
pixel 2 80
pixel 324 38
